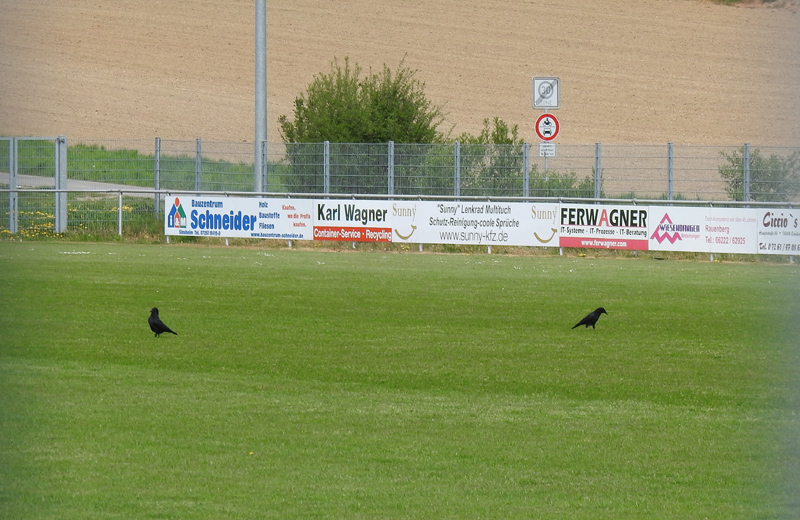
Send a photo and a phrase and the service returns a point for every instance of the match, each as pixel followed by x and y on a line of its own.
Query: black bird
pixel 156 325
pixel 591 318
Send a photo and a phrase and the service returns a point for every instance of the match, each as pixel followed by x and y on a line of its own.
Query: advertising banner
pixel 544 224
pixel 678 229
pixel 481 223
pixel 352 220
pixel 778 231
pixel 656 228
pixel 602 226
pixel 703 230
pixel 731 230
pixel 191 215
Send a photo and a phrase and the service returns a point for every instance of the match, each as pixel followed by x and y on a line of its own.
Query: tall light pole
pixel 261 93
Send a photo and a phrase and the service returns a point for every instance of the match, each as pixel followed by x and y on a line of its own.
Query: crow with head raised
pixel 156 325
pixel 591 318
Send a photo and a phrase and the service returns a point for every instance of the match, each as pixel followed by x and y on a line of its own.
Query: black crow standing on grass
pixel 591 318
pixel 156 325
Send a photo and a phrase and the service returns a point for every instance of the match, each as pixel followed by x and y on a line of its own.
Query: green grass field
pixel 312 384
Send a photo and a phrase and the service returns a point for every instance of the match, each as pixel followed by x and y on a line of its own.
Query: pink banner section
pixel 604 243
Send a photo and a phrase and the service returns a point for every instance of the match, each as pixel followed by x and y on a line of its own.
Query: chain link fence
pixel 23 159
pixel 7 211
pixel 109 180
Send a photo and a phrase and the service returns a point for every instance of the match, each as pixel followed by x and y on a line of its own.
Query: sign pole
pixel 545 158
pixel 259 166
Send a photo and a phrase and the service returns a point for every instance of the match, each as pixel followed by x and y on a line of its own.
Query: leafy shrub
pixel 343 107
pixel 772 179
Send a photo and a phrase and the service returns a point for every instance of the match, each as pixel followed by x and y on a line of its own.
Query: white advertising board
pixel 778 231
pixel 604 227
pixel 678 229
pixel 191 215
pixel 703 230
pixel 352 220
pixel 731 230
pixel 632 227
pixel 489 223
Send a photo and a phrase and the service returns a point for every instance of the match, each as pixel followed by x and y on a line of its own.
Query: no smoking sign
pixel 547 127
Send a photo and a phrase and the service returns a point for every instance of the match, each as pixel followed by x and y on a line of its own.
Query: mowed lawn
pixel 313 384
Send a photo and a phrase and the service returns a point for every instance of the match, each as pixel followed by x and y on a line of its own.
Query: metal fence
pixel 50 185
pixel 669 172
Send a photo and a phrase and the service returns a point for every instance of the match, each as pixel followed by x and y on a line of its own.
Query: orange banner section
pixel 354 234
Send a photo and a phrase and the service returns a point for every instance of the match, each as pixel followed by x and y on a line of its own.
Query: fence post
pixel 390 165
pixel 61 184
pixel 526 168
pixel 670 171
pixel 597 168
pixel 746 172
pixel 157 179
pixel 326 167
pixel 119 214
pixel 198 165
pixel 457 169
pixel 12 183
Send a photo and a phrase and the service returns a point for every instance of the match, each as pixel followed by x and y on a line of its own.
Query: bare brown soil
pixel 649 71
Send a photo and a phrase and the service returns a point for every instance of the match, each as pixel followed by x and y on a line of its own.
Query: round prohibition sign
pixel 547 127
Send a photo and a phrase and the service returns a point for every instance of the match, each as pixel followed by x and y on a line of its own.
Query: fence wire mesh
pixel 34 156
pixel 358 168
pixel 697 172
pixel 178 165
pixel 634 171
pixel 95 213
pixel 424 169
pixel 653 172
pixel 35 213
pixel 128 163
pixel 226 166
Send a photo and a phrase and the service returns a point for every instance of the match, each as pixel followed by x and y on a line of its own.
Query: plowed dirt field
pixel 645 71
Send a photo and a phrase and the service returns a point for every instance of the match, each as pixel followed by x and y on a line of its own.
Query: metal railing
pixel 104 211
pixel 59 171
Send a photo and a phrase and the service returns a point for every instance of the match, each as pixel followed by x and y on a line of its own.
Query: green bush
pixel 343 107
pixel 772 179
pixel 492 162
pixel 492 165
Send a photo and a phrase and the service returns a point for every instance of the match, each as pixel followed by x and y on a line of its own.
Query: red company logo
pixel 664 227
pixel 666 230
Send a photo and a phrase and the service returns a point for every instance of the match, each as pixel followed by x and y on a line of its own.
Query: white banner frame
pixel 701 229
